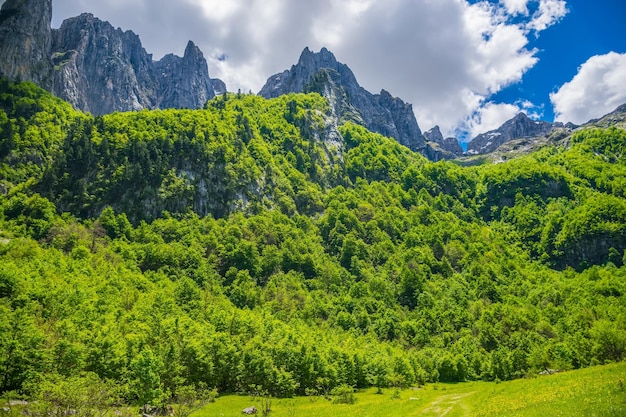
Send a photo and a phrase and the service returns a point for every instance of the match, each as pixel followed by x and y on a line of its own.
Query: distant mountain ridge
pixel 95 67
pixel 520 126
pixel 100 69
pixel 321 73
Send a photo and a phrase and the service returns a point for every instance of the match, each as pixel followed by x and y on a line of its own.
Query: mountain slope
pixel 521 126
pixel 322 73
pixel 321 263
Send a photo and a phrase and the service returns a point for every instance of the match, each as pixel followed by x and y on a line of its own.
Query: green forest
pixel 253 246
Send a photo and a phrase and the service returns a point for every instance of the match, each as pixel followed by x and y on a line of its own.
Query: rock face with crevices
pixel 440 148
pixel 25 38
pixel 322 73
pixel 101 69
pixel 95 67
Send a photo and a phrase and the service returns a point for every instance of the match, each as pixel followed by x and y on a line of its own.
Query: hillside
pixel 320 72
pixel 253 246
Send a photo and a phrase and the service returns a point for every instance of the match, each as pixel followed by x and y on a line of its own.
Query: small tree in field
pixel 344 394
pixel 266 405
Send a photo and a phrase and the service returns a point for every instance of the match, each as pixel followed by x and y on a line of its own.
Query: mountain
pixel 521 126
pixel 440 148
pixel 322 73
pixel 159 253
pixel 25 41
pixel 98 68
pixel 615 118
pixel 258 247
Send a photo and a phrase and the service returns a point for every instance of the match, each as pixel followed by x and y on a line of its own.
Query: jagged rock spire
pixel 95 67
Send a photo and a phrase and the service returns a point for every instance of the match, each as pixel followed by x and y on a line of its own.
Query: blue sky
pixel 590 28
pixel 465 65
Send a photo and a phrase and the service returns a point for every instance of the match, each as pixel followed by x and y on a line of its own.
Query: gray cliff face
pixel 321 73
pixel 398 120
pixel 184 82
pixel 298 77
pixel 25 41
pixel 440 148
pixel 101 69
pixel 518 127
pixel 95 67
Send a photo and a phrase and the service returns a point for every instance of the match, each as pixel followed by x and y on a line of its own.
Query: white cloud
pixel 549 12
pixel 514 7
pixel 218 10
pixel 446 57
pixel 598 88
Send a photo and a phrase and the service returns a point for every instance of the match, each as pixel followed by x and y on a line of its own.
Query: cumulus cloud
pixel 490 117
pixel 514 7
pixel 549 12
pixel 598 88
pixel 446 57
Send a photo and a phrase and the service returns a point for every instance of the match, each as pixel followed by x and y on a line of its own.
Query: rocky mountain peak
pixel 296 79
pixel 25 40
pixel 321 72
pixel 520 126
pixel 323 59
pixel 434 135
pixel 101 69
pixel 440 148
pixel 192 52
pixel 96 67
pixel 184 82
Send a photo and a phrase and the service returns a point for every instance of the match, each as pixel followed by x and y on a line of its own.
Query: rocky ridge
pixel 520 126
pixel 615 118
pixel 322 73
pixel 100 69
pixel 440 148
pixel 95 67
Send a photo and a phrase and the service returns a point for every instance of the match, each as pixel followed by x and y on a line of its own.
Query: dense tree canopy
pixel 254 245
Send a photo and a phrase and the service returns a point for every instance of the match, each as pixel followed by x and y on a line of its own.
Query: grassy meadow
pixel 596 391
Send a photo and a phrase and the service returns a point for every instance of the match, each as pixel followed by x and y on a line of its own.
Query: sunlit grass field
pixel 596 391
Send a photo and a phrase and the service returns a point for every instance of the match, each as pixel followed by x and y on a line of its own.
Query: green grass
pixel 597 391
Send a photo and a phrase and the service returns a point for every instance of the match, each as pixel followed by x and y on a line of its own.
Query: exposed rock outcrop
pixel 521 126
pixel 439 148
pixel 95 67
pixel 322 73
pixel 25 38
pixel 101 69
pixel 184 82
